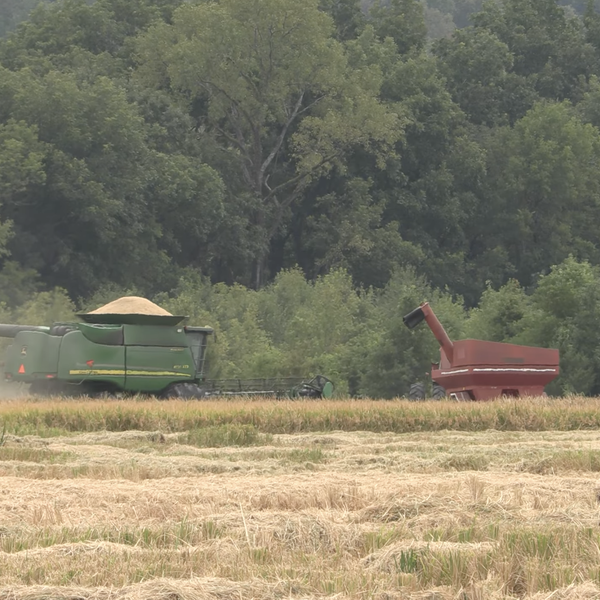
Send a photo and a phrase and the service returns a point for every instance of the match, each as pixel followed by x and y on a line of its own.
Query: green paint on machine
pixel 157 356
pixel 162 357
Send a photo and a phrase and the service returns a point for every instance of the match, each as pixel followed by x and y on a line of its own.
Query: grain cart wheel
pixel 184 391
pixel 438 392
pixel 416 391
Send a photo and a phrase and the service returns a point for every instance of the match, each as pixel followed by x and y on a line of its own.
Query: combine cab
pixel 479 370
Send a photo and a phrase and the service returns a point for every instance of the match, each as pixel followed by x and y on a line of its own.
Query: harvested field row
pixel 198 588
pixel 234 511
pixel 138 456
pixel 323 535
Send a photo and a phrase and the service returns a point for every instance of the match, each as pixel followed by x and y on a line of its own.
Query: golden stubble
pixel 424 515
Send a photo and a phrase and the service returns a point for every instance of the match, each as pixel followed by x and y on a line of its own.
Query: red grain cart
pixel 479 370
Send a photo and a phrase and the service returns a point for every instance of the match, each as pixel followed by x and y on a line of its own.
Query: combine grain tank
pixel 480 370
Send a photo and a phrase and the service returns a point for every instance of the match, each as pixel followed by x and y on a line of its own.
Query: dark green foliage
pixel 347 16
pixel 190 150
pixel 60 32
pixel 401 20
pixel 546 166
pixel 547 46
pixel 389 357
pixel 479 68
pixel 564 314
pixel 498 317
pixel 12 12
pixel 96 182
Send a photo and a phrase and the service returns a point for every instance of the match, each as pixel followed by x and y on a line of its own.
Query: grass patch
pixel 230 434
pixel 31 454
pixel 470 462
pixel 304 455
pixel 172 536
pixel 566 460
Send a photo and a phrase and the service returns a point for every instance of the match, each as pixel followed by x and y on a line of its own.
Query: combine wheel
pixel 184 391
pixel 416 392
pixel 438 392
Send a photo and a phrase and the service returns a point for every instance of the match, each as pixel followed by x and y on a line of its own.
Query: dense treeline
pixel 293 327
pixel 441 17
pixel 177 148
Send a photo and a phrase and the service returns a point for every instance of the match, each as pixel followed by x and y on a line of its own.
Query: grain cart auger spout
pixel 480 370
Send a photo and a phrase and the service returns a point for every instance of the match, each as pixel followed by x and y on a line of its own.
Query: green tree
pixel 85 191
pixel 543 189
pixel 432 185
pixel 76 222
pixel 564 314
pixel 21 168
pixel 589 108
pixel 387 357
pixel 478 66
pixel 320 328
pixel 64 32
pixel 591 21
pixel 401 20
pixel 548 46
pixel 498 318
pixel 45 308
pixel 348 18
pixel 345 229
pixel 12 12
pixel 271 88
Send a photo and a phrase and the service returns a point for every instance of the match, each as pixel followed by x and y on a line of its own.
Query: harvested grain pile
pixel 130 305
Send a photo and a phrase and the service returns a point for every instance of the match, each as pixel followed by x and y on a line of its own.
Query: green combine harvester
pixel 113 354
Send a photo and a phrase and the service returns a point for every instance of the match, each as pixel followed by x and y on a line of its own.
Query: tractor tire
pixel 438 392
pixel 416 392
pixel 183 391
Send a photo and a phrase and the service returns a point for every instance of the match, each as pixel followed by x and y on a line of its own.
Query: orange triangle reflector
pixel 22 369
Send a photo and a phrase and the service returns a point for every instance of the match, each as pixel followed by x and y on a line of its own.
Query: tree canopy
pixel 331 148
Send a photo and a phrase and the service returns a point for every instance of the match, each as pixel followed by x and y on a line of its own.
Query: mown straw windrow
pixel 215 501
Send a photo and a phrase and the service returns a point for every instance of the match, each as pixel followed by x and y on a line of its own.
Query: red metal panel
pixel 478 352
pixel 480 370
pixel 484 370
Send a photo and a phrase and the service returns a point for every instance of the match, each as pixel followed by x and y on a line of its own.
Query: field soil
pixel 232 512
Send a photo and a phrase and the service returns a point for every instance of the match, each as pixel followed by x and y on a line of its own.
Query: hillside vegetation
pixel 301 174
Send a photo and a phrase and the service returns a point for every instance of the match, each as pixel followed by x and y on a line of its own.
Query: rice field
pixel 269 500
